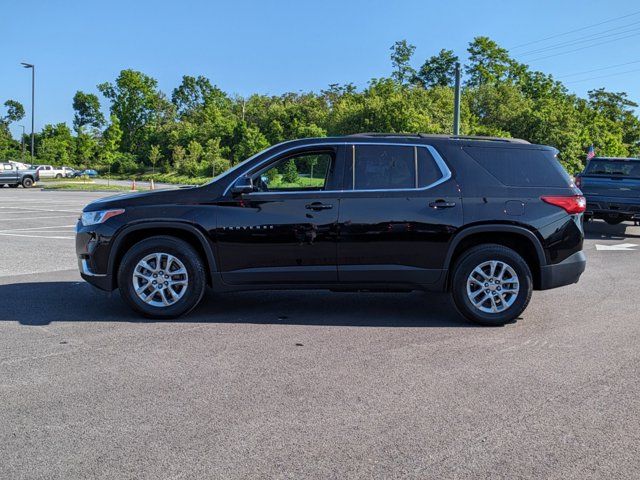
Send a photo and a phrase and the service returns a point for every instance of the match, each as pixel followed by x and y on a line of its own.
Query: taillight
pixel 572 204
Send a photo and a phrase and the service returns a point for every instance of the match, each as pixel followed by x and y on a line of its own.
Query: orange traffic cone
pixel 133 185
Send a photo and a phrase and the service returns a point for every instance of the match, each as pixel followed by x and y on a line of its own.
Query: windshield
pixel 620 168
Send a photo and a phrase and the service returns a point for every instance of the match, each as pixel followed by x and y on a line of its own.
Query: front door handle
pixel 318 206
pixel 442 204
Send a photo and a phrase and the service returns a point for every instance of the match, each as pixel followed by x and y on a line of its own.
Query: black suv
pixel 487 219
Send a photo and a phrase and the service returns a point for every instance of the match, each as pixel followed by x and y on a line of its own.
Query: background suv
pixel 487 219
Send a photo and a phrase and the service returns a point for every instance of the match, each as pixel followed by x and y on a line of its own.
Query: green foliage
pixel 202 131
pixel 438 70
pixel 137 102
pixel 155 156
pixel 125 163
pixel 401 53
pixel 15 112
pixel 290 174
pixel 87 111
pixel 55 145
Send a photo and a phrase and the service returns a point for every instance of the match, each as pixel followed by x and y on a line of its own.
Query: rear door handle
pixel 318 206
pixel 442 204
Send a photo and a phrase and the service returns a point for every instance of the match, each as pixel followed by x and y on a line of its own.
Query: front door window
pixel 302 172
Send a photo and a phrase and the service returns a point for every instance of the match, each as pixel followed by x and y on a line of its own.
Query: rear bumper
pixel 564 273
pixel 626 207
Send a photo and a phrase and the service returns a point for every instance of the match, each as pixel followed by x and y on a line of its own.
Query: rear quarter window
pixel 520 167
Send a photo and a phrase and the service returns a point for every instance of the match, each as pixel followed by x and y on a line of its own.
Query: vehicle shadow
pixel 598 230
pixel 78 302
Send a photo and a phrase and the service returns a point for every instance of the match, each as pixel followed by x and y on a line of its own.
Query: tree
pixel 195 93
pixel 15 112
pixel 111 140
pixel 55 144
pixel 247 141
pixel 438 70
pixel 401 53
pixel 154 157
pixel 213 157
pixel 137 103
pixel 488 62
pixel 290 174
pixel 87 111
pixel 177 156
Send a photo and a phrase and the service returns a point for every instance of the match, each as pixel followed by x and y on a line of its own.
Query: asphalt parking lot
pixel 312 384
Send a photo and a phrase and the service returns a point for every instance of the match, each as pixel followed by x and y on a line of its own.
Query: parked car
pixel 12 176
pixel 19 165
pixel 89 173
pixel 612 189
pixel 47 171
pixel 68 172
pixel 486 219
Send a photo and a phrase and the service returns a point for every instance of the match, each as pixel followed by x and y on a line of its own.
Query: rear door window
pixel 391 167
pixel 521 167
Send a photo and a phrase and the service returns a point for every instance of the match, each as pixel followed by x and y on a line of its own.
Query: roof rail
pixel 440 136
pixel 488 139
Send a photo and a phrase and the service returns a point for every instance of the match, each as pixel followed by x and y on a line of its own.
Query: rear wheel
pixel 162 277
pixel 58 175
pixel 27 182
pixel 491 285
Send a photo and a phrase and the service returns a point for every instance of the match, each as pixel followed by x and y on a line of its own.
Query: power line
pixel 597 69
pixel 583 48
pixel 574 30
pixel 577 41
pixel 604 76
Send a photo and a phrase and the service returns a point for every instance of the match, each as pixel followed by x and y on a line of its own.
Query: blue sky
pixel 276 46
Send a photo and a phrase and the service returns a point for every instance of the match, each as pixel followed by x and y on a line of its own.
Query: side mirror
pixel 243 185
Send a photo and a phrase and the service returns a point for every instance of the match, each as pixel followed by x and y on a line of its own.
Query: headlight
pixel 101 216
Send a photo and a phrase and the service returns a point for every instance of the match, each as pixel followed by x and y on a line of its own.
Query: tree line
pixel 200 130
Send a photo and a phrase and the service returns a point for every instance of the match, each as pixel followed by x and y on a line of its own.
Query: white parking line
pixel 40 209
pixel 38 218
pixel 36 228
pixel 36 236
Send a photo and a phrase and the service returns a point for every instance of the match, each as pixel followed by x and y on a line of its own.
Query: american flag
pixel 591 153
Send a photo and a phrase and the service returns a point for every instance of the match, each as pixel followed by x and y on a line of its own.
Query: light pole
pixel 33 100
pixel 22 143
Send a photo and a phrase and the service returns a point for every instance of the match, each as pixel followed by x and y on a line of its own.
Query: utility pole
pixel 22 143
pixel 33 101
pixel 456 102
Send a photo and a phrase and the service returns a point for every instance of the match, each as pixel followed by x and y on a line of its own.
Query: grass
pixel 82 186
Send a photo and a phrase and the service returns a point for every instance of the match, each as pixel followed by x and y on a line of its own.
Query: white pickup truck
pixel 47 171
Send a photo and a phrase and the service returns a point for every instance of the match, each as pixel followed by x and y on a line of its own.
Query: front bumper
pixel 102 281
pixel 92 257
pixel 564 273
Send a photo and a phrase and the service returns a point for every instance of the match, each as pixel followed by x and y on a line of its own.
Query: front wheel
pixel 491 285
pixel 162 277
pixel 58 175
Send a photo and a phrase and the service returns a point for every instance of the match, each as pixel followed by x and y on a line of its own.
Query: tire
pixel 462 287
pixel 27 182
pixel 58 175
pixel 184 301
pixel 613 219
